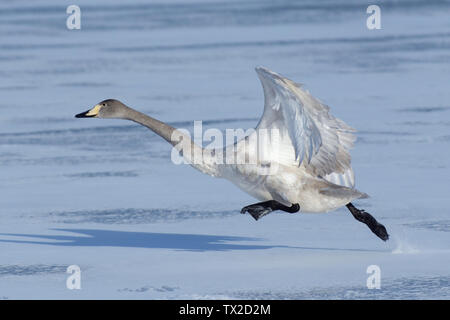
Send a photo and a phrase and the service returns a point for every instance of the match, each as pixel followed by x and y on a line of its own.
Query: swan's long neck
pixel 198 157
pixel 160 128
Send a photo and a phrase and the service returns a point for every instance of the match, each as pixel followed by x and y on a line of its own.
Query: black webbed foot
pixel 370 221
pixel 259 210
pixel 256 211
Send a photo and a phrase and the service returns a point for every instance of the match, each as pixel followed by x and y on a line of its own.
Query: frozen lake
pixel 104 194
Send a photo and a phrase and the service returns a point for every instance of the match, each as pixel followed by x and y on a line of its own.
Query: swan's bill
pixel 90 113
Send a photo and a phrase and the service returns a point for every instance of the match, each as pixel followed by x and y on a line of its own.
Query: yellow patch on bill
pixel 94 111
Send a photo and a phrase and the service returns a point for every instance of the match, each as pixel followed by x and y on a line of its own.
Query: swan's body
pixel 292 185
pixel 310 152
pixel 305 164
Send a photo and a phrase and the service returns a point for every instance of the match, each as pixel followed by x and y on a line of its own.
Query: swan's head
pixel 109 108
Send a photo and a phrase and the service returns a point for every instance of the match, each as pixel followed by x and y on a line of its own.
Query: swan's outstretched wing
pixel 309 134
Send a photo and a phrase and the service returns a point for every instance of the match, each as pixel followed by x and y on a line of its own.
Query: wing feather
pixel 320 141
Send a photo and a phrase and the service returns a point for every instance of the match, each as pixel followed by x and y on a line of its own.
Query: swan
pixel 306 164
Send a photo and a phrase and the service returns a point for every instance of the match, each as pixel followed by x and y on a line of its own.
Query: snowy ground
pixel 104 195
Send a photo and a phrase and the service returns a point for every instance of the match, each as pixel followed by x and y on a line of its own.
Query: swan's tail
pixel 336 191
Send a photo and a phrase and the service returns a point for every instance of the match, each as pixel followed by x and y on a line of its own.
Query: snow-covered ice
pixel 104 195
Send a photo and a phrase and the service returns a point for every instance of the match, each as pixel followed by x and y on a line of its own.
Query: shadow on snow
pixel 110 238
pixel 152 240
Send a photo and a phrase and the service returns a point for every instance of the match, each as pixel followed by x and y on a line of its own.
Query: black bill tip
pixel 84 115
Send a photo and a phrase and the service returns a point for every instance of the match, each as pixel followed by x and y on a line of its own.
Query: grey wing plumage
pixel 320 141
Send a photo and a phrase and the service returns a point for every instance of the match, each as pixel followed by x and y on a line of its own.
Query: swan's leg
pixel 370 221
pixel 259 210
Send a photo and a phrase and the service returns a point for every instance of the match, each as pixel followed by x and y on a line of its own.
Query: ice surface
pixel 104 195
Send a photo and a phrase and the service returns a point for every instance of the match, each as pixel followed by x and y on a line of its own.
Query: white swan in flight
pixel 302 164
